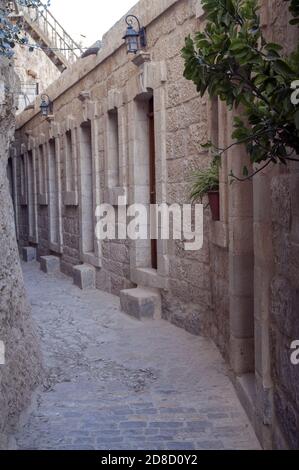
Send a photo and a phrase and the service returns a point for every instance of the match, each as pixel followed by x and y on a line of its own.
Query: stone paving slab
pixel 114 383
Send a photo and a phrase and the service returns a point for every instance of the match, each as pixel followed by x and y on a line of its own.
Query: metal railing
pixel 47 27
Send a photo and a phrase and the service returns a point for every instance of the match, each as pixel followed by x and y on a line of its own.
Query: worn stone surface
pixel 84 277
pixel 141 303
pixel 50 264
pixel 33 69
pixel 284 308
pixel 115 383
pixel 21 371
pixel 29 254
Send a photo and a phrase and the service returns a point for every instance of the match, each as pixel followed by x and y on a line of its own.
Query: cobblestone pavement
pixel 113 383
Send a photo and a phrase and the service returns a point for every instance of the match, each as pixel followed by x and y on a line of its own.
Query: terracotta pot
pixel 214 202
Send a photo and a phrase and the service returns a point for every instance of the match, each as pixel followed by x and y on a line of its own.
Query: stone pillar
pixel 32 192
pixel 89 181
pixel 240 264
pixel 263 275
pixel 15 191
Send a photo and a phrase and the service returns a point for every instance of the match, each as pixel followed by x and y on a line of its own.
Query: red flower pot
pixel 214 202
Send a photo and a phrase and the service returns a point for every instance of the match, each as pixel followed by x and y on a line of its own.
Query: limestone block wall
pixel 95 147
pixel 35 71
pixel 20 369
pixel 284 307
pixel 111 83
pixel 276 276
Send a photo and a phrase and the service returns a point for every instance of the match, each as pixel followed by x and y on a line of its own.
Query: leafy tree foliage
pixel 232 60
pixel 11 33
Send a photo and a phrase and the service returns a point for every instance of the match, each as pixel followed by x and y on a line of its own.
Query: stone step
pixel 50 264
pixel 29 254
pixel 141 303
pixel 84 276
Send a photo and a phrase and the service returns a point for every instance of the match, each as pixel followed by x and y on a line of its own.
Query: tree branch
pixel 249 177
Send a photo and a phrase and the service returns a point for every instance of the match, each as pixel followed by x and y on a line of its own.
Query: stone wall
pixel 113 79
pixel 241 285
pixel 35 71
pixel 284 306
pixel 20 373
pixel 278 279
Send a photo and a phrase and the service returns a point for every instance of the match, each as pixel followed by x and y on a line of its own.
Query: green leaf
pixel 282 67
pixel 272 46
pixel 230 7
pixel 208 145
pixel 245 171
pixel 259 79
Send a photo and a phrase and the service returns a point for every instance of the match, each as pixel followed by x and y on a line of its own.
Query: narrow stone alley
pixel 113 383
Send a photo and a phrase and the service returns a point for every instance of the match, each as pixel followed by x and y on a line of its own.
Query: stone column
pixel 240 264
pixel 263 275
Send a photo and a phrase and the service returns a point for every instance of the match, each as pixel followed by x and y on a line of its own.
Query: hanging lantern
pixel 135 40
pixel 46 105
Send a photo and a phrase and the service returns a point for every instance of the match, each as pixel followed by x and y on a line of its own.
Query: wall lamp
pixel 135 40
pixel 46 106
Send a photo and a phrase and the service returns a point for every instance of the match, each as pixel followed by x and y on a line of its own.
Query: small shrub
pixel 204 181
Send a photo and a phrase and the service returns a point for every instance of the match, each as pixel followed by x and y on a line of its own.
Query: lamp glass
pixel 44 109
pixel 132 38
pixel 132 45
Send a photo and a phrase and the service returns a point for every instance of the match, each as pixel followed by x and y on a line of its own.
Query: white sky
pixel 91 18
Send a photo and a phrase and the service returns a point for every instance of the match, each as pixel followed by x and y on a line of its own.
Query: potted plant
pixel 206 183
